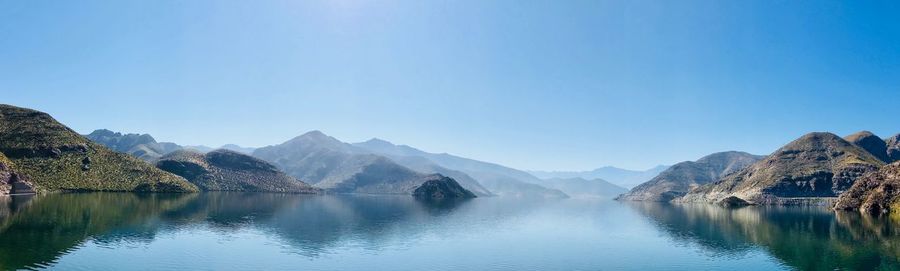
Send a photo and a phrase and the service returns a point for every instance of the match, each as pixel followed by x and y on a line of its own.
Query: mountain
pixel 874 193
pixel 893 147
pixel 581 188
pixel 233 147
pixel 336 166
pixel 55 157
pixel 682 177
pixel 621 177
pixel 141 146
pixel 440 189
pixel 815 166
pixel 225 170
pixel 498 179
pixel 871 143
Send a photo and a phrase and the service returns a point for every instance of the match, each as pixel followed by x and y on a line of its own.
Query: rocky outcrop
pixel 871 143
pixel 225 170
pixel 12 182
pixel 56 158
pixel 677 180
pixel 440 188
pixel 815 166
pixel 875 193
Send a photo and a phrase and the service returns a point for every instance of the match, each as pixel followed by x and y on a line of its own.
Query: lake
pixel 263 231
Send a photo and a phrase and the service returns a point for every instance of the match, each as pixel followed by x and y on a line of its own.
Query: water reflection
pixel 36 231
pixel 806 238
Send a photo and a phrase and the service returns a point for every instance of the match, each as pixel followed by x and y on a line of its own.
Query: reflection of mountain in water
pixel 806 238
pixel 35 232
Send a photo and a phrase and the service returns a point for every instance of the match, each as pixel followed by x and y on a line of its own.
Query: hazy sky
pixel 530 84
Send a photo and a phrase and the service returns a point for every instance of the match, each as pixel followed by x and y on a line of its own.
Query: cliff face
pixel 817 165
pixel 875 193
pixel 12 182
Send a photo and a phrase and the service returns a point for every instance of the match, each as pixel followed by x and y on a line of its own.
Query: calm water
pixel 258 231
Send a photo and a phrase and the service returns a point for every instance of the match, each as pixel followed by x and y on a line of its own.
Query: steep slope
pixel 141 146
pixel 622 177
pixel 11 182
pixel 497 179
pixel 54 157
pixel 442 188
pixel 814 166
pixel 893 147
pixel 335 166
pixel 871 143
pixel 875 193
pixel 581 188
pixel 225 170
pixel 682 177
pixel 422 164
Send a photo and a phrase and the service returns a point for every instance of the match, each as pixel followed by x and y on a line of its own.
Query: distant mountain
pixel 581 188
pixel 336 166
pixel 621 177
pixel 225 170
pixel 677 180
pixel 875 193
pixel 498 179
pixel 233 147
pixel 815 166
pixel 141 146
pixel 56 158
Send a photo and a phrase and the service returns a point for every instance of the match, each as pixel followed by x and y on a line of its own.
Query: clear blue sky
pixel 531 84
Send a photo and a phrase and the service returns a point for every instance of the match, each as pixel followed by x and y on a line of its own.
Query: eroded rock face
pixel 893 148
pixel 441 188
pixel 875 193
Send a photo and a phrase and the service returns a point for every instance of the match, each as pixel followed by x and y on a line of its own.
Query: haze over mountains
pixel 144 146
pixel 622 177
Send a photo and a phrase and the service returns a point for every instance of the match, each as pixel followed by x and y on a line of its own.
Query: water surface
pixel 261 231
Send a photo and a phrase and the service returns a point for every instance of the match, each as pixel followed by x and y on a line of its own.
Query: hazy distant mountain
pixel 141 146
pixel 231 147
pixel 498 179
pixel 814 166
pixel 621 177
pixel 682 177
pixel 54 158
pixel 226 170
pixel 336 166
pixel 581 188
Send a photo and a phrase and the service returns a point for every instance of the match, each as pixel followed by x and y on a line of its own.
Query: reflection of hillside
pixel 805 238
pixel 35 232
pixel 50 225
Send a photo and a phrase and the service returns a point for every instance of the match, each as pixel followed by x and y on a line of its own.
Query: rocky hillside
pixel 495 178
pixel 814 166
pixel 871 143
pixel 682 177
pixel 874 193
pixel 441 188
pixel 225 170
pixel 141 146
pixel 54 157
pixel 335 166
pixel 11 182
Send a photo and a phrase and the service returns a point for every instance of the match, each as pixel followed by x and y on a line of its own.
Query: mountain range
pixel 144 146
pixel 226 170
pixel 622 177
pixel 677 180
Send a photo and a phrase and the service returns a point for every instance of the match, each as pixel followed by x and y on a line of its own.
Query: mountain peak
pixel 378 142
pixel 871 143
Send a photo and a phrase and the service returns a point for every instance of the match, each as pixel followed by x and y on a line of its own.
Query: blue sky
pixel 564 85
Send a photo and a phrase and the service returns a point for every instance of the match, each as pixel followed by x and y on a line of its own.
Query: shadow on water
pixel 806 238
pixel 36 231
